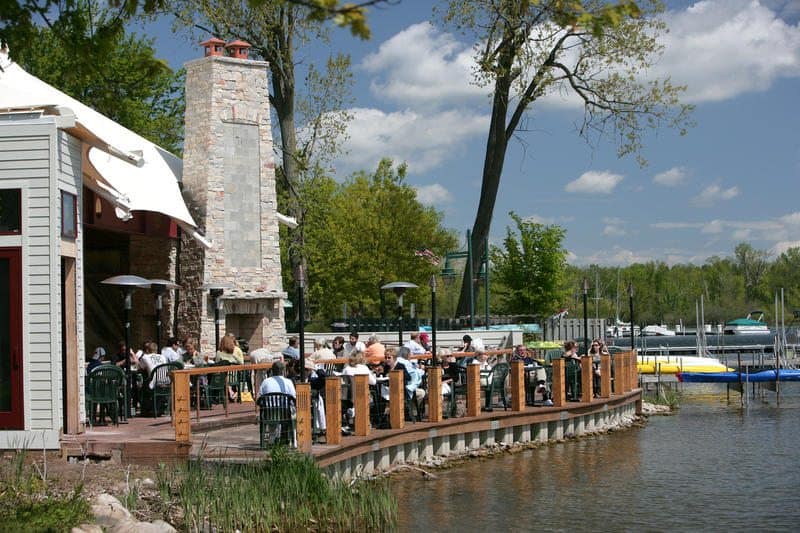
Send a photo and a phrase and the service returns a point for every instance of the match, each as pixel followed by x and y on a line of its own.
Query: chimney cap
pixel 212 40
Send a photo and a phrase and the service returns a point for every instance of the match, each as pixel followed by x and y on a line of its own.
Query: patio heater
pixel 216 290
pixel 432 284
pixel 630 304
pixel 159 288
pixel 399 289
pixel 300 279
pixel 585 317
pixel 127 283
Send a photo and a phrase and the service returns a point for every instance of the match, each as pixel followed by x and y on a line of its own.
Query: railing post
pixel 180 407
pixel 517 385
pixel 559 382
pixel 626 372
pixel 434 394
pixel 473 390
pixel 361 404
pixel 397 406
pixel 587 380
pixel 333 410
pixel 605 376
pixel 303 416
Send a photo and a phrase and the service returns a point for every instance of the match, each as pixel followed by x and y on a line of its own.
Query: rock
pixel 87 528
pixel 134 526
pixel 108 510
pixel 148 483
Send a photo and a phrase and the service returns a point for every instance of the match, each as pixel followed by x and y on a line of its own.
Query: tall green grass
pixel 288 492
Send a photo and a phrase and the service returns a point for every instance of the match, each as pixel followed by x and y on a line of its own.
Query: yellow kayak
pixel 679 363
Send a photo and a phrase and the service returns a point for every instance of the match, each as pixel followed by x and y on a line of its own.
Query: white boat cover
pixel 134 173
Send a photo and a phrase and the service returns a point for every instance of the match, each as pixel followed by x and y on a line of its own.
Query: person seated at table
pixel 425 341
pixel 481 358
pixel 449 369
pixel 472 345
pixel 191 355
pixel 353 345
pixel 356 366
pixel 321 351
pixel 227 351
pixel 521 353
pixel 170 351
pixel 375 349
pixel 412 376
pixel 278 382
pixel 151 359
pixel 541 394
pixel 571 351
pixel 119 357
pixel 98 356
pixel 292 351
pixel 337 346
pixel 414 345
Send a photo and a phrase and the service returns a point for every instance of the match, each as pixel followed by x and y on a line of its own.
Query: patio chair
pixel 214 391
pixel 572 378
pixel 277 417
pixel 457 388
pixel 160 385
pixel 496 383
pixel 103 386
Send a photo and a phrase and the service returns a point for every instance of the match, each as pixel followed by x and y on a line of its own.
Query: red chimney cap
pixel 238 49
pixel 239 43
pixel 213 46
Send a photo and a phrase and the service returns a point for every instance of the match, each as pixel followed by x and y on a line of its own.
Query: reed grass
pixel 287 492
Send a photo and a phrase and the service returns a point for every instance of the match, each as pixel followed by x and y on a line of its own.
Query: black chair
pixel 104 384
pixel 496 383
pixel 277 417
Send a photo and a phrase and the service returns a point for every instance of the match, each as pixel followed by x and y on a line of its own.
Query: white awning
pixel 129 170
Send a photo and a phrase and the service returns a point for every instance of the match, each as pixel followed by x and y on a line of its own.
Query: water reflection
pixel 714 466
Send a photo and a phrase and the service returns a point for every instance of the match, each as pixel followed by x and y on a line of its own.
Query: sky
pixel 735 176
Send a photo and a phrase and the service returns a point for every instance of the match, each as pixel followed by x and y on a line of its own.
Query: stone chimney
pixel 229 184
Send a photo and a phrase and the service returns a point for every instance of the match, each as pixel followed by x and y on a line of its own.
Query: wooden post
pixel 620 371
pixel 181 414
pixel 333 410
pixel 303 417
pixel 397 416
pixel 434 394
pixel 559 382
pixel 605 376
pixel 587 380
pixel 517 385
pixel 361 404
pixel 473 390
pixel 626 372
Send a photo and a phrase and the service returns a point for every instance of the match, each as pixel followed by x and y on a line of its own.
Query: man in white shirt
pixel 414 345
pixel 278 382
pixel 354 345
pixel 170 351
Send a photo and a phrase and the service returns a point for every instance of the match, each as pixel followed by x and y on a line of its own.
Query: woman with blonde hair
pixel 228 351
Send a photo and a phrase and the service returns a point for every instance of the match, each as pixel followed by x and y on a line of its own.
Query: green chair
pixel 572 378
pixel 457 388
pixel 277 417
pixel 160 385
pixel 103 386
pixel 552 354
pixel 496 383
pixel 214 392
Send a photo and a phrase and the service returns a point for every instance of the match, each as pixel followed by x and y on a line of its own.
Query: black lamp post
pixel 216 290
pixel 585 317
pixel 127 283
pixel 399 289
pixel 300 279
pixel 160 287
pixel 630 304
pixel 432 284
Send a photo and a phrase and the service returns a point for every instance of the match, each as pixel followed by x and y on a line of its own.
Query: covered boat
pixel 753 324
pixel 784 374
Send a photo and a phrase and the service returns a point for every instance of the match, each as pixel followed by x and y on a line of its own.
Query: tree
pixel 121 79
pixel 784 273
pixel 591 49
pixel 364 236
pixel 530 268
pixel 752 266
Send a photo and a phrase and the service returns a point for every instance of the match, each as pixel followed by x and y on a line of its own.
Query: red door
pixel 11 397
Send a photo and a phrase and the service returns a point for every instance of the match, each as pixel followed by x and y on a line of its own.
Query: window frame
pixel 73 231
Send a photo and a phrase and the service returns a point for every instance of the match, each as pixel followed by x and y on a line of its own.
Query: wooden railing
pixel 625 380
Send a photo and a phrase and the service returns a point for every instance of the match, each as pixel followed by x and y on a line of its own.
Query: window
pixel 69 215
pixel 10 211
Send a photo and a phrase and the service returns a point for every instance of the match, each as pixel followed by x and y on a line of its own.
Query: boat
pixel 785 374
pixel 674 364
pixel 657 331
pixel 753 324
pixel 621 330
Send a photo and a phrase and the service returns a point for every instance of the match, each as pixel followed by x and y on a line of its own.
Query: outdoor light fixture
pixel 127 283
pixel 159 288
pixel 585 318
pixel 630 304
pixel 216 290
pixel 300 279
pixel 399 289
pixel 432 285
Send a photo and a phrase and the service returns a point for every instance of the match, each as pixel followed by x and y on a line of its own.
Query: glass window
pixel 69 215
pixel 10 211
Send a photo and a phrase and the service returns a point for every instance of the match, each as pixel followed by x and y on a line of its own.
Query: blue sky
pixel 735 177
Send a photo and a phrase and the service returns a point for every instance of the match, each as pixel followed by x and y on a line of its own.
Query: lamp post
pixel 160 287
pixel 216 290
pixel 399 289
pixel 432 284
pixel 585 317
pixel 300 279
pixel 127 283
pixel 630 304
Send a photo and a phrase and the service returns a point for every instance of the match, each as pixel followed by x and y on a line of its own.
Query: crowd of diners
pixel 371 358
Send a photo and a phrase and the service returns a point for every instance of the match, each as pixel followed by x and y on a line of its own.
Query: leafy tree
pixel 365 235
pixel 593 50
pixel 752 265
pixel 784 273
pixel 530 268
pixel 121 79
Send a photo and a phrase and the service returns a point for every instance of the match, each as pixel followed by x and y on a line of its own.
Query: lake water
pixel 714 466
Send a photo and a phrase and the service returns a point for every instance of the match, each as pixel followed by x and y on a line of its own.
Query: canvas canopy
pixel 124 168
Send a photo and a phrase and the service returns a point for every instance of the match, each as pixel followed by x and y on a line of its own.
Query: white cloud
pixel 672 177
pixel 538 219
pixel 714 227
pixel 792 219
pixel 433 194
pixel 594 182
pixel 676 225
pixel 423 140
pixel 611 230
pixel 713 193
pixel 724 48
pixel 782 246
pixel 619 256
